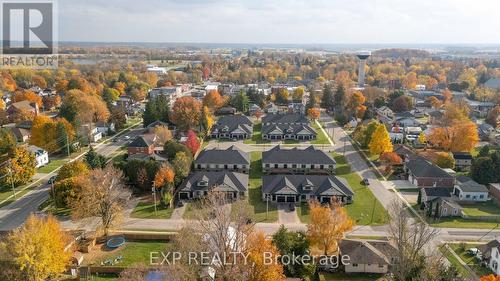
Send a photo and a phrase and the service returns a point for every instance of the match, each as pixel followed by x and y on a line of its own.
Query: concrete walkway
pixel 178 212
pixel 286 216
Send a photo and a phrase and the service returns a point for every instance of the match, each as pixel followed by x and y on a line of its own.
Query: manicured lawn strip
pixel 255 192
pixel 5 192
pixel 321 138
pixel 303 213
pixel 365 209
pixel 53 164
pixel 464 223
pixel 134 252
pixel 482 209
pixel 49 207
pixel 256 135
pixel 146 210
pixel 454 261
pixel 329 276
pixel 470 260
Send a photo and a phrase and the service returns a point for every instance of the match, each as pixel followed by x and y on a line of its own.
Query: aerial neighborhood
pixel 252 151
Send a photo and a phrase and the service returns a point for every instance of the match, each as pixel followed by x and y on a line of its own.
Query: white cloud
pixel 281 21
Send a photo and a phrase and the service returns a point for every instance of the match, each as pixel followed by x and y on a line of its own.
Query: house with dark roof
pixel 491 255
pixel 441 207
pixel 25 105
pixel 141 145
pixel 367 256
pixel 423 173
pixel 290 126
pixel 232 159
pixel 234 185
pixel 22 135
pixel 404 151
pixel 436 117
pixel 297 161
pixel 463 160
pixel 468 190
pixel 232 127
pixel 493 83
pixel 301 188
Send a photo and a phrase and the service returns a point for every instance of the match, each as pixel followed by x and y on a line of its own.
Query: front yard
pixel 486 209
pixel 255 192
pixel 256 135
pixel 146 210
pixel 365 209
pixel 461 250
pixel 321 138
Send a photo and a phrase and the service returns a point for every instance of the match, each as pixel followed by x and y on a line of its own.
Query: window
pixel 481 196
pixel 294 166
pixel 467 196
pixel 380 265
pixel 267 165
pixel 276 166
pixel 303 166
pixel 354 265
pixel 235 167
pixel 285 166
pixel 312 166
pixel 199 166
pixel 321 167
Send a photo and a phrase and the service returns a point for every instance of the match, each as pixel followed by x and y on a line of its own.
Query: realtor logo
pixel 28 34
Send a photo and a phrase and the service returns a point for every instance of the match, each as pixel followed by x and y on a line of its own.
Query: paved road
pixel 14 214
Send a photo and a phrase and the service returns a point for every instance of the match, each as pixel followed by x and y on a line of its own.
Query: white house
pixel 105 128
pixel 466 189
pixel 491 254
pixel 41 156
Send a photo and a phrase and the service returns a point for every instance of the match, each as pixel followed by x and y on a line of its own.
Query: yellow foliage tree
pixel 258 249
pixel 37 248
pixel 328 225
pixel 380 141
pixel 460 137
pixel 51 134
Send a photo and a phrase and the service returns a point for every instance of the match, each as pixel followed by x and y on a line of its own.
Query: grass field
pixel 255 192
pixel 482 209
pixel 464 223
pixel 256 135
pixel 321 138
pixel 146 210
pixel 53 164
pixel 365 209
pixel 133 252
pixel 468 259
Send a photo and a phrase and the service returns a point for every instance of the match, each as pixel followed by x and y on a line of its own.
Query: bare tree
pixel 102 194
pixel 410 237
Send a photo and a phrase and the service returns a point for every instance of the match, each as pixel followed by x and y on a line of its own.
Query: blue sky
pixel 280 21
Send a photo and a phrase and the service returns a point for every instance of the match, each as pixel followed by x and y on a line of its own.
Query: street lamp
pixel 11 173
pixel 153 190
pixel 267 204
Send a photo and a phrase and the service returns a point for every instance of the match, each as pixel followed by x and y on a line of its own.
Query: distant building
pixel 141 145
pixel 491 254
pixel 157 70
pixel 232 159
pixel 105 128
pixel 423 173
pixel 22 107
pixel 493 83
pixel 467 190
pixel 295 160
pixel 41 156
pixel 287 127
pixel 22 135
pixel 232 127
pixel 463 160
pixel 170 93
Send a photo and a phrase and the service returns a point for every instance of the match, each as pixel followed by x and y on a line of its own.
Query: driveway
pixel 286 216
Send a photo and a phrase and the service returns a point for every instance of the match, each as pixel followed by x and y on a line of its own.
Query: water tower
pixel 362 56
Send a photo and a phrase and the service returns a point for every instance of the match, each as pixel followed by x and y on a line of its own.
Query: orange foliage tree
pixel 490 277
pixel 213 100
pixel 186 113
pixel 328 225
pixel 260 269
pixel 391 158
pixel 314 113
pixel 27 95
pixel 460 137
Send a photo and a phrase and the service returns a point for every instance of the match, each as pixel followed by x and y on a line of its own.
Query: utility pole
pixel 11 173
pixel 53 192
pixel 67 144
pixel 267 205
pixel 154 197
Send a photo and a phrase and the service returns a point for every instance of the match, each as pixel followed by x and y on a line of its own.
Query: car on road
pixel 52 180
pixel 126 137
pixel 366 181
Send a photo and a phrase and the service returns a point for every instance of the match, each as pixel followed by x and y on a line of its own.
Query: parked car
pixel 52 180
pixel 366 181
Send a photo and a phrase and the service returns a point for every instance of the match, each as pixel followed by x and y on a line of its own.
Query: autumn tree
pixel 29 96
pixel 298 94
pixel 282 96
pixel 38 248
pixel 207 120
pixel 402 103
pixel 328 225
pixel 327 99
pixel 182 166
pixel 186 113
pixel 391 158
pixel 445 160
pixel 213 100
pixel 356 104
pixel 192 142
pixel 492 117
pixel 314 113
pixel 164 181
pixel 163 134
pixel 66 183
pixel 293 243
pixel 259 248
pixel 455 112
pixel 490 277
pixel 20 167
pixel 171 148
pixel 422 138
pixel 434 102
pixel 460 137
pixel 410 81
pixel 7 141
pixel 53 135
pixel 380 141
pixel 102 194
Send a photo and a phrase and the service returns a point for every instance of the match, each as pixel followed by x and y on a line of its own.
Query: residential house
pixel 226 110
pixel 493 83
pixel 441 207
pixel 301 188
pixel 170 93
pixel 436 117
pixel 232 159
pixel 297 161
pixel 403 151
pixel 491 255
pixel 234 185
pixel 406 119
pixel 385 115
pixel 480 109
pixel 232 127
pixel 41 156
pixel 495 191
pixel 141 145
pixel 428 194
pixel 423 173
pixel 22 135
pixel 254 109
pixel 287 127
pixel 105 128
pixel 466 189
pixel 485 131
pixel 22 107
pixel 91 132
pixel 463 160
pixel 368 256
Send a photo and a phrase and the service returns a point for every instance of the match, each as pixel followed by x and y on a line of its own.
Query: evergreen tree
pixel 163 109
pixel 327 98
pixel 63 138
pixel 339 98
pixel 483 170
pixel 311 103
pixel 95 160
pixel 241 102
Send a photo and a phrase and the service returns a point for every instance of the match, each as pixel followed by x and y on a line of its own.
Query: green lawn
pixel 255 192
pixel 328 276
pixel 49 207
pixel 134 252
pixel 365 209
pixel 146 210
pixel 464 223
pixel 321 138
pixel 482 209
pixel 454 261
pixel 53 164
pixel 6 191
pixel 256 135
pixel 470 260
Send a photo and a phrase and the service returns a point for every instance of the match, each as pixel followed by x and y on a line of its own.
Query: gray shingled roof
pixel 232 123
pixel 493 83
pixel 310 155
pixel 285 119
pixel 231 156
pixel 467 184
pixel 222 181
pixel 288 129
pixel 367 251
pixel 140 141
pixel 420 167
pixel 437 191
pixel 294 184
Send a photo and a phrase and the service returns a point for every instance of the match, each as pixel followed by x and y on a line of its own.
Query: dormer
pixel 225 129
pixel 307 185
pixel 203 182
